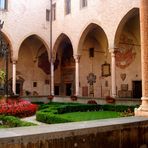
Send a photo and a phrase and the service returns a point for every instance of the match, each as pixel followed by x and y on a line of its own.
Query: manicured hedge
pixel 50 118
pixel 118 108
pixel 10 121
pixel 50 113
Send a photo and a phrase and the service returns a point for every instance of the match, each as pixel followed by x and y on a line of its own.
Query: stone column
pixel 143 109
pixel 113 74
pixel 14 77
pixel 52 77
pixel 77 81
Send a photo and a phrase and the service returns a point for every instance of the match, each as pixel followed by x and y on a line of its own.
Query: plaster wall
pixel 24 18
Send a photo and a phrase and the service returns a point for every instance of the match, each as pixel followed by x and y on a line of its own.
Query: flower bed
pixel 18 107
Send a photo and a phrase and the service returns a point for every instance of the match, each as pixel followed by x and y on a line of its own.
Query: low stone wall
pixel 130 132
pixel 119 101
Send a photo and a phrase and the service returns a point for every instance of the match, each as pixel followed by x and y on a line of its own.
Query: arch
pixel 59 39
pixel 7 39
pixel 88 29
pixel 38 37
pixel 130 14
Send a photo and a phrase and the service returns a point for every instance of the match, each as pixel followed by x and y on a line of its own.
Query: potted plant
pixel 91 102
pixel 110 99
pixel 50 98
pixel 27 93
pixel 73 97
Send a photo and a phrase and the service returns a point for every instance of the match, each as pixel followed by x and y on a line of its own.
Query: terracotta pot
pixel 50 98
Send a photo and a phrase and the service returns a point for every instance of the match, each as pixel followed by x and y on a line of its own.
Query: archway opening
pixel 33 68
pixel 93 46
pixel 5 65
pixel 65 73
pixel 128 56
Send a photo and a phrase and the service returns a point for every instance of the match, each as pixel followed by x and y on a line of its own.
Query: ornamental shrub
pixel 10 121
pixel 50 113
pixel 19 108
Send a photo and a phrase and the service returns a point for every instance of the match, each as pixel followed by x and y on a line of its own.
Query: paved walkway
pixel 33 120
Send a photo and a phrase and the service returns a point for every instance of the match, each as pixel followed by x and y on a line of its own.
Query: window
pixel 67 6
pixel 53 13
pixel 91 52
pixel 3 4
pixel 47 15
pixel 83 3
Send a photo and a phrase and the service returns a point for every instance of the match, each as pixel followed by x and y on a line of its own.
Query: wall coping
pixel 34 133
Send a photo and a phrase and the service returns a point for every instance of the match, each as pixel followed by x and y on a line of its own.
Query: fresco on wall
pixel 126 53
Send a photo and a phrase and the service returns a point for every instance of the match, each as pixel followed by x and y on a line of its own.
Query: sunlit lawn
pixel 94 115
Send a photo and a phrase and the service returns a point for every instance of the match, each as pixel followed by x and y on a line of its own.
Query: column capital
pixel 14 62
pixel 77 58
pixel 112 50
pixel 113 54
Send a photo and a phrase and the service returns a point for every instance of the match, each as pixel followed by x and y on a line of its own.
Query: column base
pixel 142 111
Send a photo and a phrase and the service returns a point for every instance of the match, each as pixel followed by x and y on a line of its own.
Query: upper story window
pixel 3 4
pixel 83 3
pixel 53 13
pixel 67 7
pixel 47 15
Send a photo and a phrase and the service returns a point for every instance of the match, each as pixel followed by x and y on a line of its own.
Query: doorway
pixel 68 89
pixel 56 88
pixel 18 88
pixel 137 89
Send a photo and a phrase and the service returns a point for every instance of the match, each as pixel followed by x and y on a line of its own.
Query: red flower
pixel 19 108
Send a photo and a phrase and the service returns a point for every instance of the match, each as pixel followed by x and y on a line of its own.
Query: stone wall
pixel 114 133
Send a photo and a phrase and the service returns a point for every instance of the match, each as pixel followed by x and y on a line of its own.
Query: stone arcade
pixel 86 35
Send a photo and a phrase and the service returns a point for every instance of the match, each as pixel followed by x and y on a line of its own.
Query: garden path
pixel 33 120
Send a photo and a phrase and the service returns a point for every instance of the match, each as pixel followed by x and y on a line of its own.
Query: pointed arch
pixel 9 42
pixel 100 33
pixel 36 36
pixel 58 41
pixel 130 14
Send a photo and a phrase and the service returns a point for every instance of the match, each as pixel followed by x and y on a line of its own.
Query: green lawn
pixel 93 115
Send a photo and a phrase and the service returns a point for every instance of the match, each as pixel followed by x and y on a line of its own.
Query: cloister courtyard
pixel 73 74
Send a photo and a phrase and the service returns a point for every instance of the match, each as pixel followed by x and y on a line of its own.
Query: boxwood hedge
pixel 11 121
pixel 50 113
